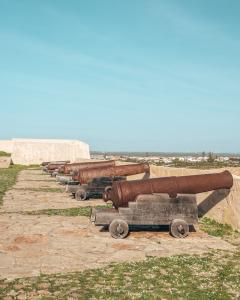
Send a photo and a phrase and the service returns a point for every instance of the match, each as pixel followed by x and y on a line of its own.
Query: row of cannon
pixel 148 201
pixel 93 179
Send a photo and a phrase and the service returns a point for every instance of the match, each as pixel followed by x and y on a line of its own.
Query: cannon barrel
pixel 85 175
pixel 68 168
pixel 45 163
pixel 125 191
pixel 54 166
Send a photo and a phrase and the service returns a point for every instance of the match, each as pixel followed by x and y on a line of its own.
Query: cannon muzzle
pixel 125 191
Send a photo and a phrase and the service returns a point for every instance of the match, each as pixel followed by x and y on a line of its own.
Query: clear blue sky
pixel 122 75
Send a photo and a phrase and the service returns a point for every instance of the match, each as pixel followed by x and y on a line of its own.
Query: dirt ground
pixel 35 244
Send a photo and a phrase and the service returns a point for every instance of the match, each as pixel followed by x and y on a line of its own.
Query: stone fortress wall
pixel 6 146
pixel 35 151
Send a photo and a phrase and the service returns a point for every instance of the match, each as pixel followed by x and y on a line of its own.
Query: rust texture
pixel 68 168
pixel 84 176
pixel 126 191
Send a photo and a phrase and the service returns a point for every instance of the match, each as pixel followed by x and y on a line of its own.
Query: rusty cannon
pixel 125 170
pixel 158 201
pixel 69 170
pixel 89 183
pixel 124 192
pixel 45 163
pixel 53 167
pixel 48 165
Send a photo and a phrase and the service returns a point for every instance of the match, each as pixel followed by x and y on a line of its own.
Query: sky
pixel 129 75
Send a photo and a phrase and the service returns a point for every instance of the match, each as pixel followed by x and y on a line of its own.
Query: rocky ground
pixel 34 244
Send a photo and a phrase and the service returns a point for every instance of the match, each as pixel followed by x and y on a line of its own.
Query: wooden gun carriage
pixel 152 209
pixel 157 201
pixel 94 189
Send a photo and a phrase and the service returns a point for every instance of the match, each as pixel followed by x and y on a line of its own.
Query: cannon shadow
pixel 212 200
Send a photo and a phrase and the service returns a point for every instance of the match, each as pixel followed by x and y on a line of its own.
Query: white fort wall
pixel 35 151
pixel 6 146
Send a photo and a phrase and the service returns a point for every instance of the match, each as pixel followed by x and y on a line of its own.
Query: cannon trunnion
pixel 150 209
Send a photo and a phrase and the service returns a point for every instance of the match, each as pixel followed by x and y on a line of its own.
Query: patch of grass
pixel 215 275
pixel 224 231
pixel 70 212
pixel 3 153
pixel 8 178
pixel 214 228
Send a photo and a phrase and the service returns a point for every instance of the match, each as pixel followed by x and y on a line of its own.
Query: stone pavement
pixel 33 191
pixel 35 244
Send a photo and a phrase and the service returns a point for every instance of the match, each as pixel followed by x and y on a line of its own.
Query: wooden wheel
pixel 179 228
pixel 107 192
pixel 81 195
pixel 119 229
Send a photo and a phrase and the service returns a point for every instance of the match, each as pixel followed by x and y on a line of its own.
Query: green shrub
pixel 2 153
